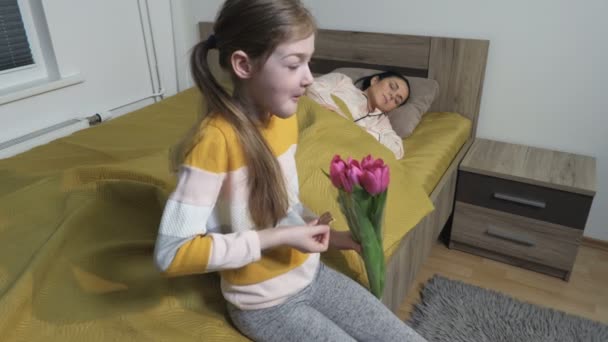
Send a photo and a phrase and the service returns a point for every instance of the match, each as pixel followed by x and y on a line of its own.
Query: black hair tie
pixel 211 42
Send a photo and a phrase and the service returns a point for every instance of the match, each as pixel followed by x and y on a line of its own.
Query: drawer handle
pixel 524 201
pixel 509 236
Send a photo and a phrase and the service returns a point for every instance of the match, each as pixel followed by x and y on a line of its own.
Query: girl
pixel 236 209
pixel 379 94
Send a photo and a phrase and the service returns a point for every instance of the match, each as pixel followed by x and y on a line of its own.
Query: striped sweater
pixel 206 225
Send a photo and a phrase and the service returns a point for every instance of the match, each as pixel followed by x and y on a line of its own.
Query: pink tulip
pixel 367 162
pixel 375 177
pixel 338 173
pixel 370 163
pixel 336 168
pixel 353 171
pixel 372 174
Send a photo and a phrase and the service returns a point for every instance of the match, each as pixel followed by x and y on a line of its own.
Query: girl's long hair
pixel 256 27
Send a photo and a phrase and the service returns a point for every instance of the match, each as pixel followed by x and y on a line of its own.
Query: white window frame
pixel 43 75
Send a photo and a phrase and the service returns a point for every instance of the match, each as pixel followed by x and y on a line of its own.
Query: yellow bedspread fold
pixel 432 147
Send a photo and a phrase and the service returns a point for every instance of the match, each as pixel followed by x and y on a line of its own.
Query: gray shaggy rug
pixel 454 311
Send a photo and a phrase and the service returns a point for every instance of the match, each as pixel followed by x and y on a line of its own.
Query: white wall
pixel 186 16
pixel 546 75
pixel 186 35
pixel 162 30
pixel 103 41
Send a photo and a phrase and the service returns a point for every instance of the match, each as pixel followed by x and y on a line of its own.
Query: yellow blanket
pixel 432 147
pixel 79 217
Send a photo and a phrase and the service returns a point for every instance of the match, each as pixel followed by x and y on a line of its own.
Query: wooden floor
pixel 585 295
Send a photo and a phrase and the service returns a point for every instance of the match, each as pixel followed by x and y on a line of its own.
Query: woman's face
pixel 386 94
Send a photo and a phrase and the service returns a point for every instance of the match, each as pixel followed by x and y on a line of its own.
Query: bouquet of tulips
pixel 362 189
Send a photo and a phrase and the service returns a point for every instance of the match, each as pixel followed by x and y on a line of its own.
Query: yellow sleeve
pixel 191 258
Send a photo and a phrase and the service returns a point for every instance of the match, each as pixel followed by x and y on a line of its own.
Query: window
pixel 28 65
pixel 22 28
pixel 14 45
pixel 32 24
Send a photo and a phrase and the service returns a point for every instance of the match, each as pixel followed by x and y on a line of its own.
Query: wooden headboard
pixel 458 65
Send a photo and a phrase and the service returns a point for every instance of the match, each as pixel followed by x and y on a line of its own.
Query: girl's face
pixel 282 80
pixel 387 94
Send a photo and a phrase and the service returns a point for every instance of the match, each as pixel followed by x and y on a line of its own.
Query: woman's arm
pixel 324 86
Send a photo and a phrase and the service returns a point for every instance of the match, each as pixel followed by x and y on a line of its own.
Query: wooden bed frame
pixel 458 65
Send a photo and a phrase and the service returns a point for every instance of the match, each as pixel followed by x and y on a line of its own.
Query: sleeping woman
pixel 379 94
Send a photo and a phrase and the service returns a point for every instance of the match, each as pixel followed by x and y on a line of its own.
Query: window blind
pixel 14 46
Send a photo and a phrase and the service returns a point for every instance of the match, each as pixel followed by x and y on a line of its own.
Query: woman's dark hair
pixel 366 81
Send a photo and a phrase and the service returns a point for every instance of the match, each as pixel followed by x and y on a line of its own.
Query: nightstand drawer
pixel 537 202
pixel 519 237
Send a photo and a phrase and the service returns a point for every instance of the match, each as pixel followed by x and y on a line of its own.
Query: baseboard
pixel 594 243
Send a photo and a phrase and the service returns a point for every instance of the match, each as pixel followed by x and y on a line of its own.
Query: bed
pixel 79 216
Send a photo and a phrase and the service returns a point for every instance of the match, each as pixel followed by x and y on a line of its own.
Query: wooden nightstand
pixel 522 205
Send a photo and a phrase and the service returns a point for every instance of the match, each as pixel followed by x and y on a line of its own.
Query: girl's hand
pixel 311 238
pixel 343 240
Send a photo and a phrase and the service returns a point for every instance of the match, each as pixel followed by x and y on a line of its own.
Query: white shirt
pixel 375 123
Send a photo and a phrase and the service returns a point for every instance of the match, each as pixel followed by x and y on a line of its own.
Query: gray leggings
pixel 332 308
